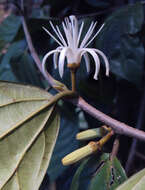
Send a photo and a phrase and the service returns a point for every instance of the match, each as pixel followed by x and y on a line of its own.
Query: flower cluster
pixel 73 48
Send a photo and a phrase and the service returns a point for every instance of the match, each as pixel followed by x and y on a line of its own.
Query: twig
pixel 115 148
pixel 138 126
pixel 138 154
pixel 117 126
pixel 47 76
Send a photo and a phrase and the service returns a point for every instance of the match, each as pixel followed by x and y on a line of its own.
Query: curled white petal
pixel 55 59
pixel 105 60
pixel 45 58
pixel 96 59
pixel 62 61
pixel 87 61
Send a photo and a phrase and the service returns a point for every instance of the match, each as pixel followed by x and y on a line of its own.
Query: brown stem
pixel 47 76
pixel 139 124
pixel 117 126
pixel 105 139
pixel 114 149
pixel 138 154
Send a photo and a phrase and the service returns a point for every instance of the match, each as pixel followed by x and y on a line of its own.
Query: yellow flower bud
pixel 80 153
pixel 90 134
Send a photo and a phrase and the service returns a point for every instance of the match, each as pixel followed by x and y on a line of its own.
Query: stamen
pixel 84 40
pixel 52 36
pixel 62 38
pixel 80 32
pixel 74 27
pixel 56 32
pixel 68 36
pixel 89 33
pixel 95 35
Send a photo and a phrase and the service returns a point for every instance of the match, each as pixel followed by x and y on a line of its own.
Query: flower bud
pixel 90 134
pixel 80 153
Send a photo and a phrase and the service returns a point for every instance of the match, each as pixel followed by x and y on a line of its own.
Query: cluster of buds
pixel 91 148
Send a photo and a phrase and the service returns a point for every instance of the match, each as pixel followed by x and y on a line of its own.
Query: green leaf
pixel 136 182
pixel 98 172
pixel 28 135
pixel 25 70
pixel 120 41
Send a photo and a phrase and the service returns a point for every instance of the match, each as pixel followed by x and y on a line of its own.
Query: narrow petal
pixel 95 35
pixel 62 61
pixel 45 58
pixel 96 59
pixel 52 36
pixel 105 60
pixel 87 61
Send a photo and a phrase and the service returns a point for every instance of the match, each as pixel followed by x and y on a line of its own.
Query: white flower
pixel 72 48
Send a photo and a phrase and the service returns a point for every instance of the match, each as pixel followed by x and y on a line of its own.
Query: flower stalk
pixel 73 79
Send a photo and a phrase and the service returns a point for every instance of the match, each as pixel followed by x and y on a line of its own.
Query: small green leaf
pixel 109 176
pixel 75 181
pixel 9 29
pixel 6 71
pixel 136 182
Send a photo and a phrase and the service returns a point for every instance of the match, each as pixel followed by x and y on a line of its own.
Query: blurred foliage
pixel 125 49
pixel 118 95
pixel 66 141
pixel 98 171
